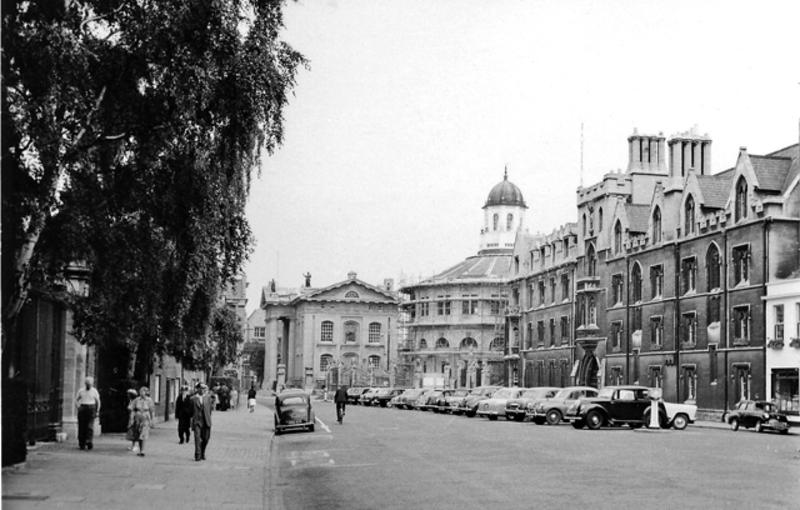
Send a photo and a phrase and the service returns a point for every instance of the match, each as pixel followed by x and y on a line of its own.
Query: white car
pixel 495 407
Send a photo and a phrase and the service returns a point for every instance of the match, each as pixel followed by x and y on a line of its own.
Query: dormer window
pixel 740 207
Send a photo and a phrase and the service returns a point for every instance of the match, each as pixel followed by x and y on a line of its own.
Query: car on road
pixel 451 400
pixel 383 396
pixel 366 398
pixel 758 414
pixel 495 406
pixel 552 410
pixel 354 394
pixel 628 405
pixel 470 404
pixel 293 411
pixel 516 408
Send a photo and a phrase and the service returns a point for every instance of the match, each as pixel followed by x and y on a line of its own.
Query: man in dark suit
pixel 202 405
pixel 340 399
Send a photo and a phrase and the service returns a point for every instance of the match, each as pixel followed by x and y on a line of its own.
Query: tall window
pixel 423 344
pixel 374 362
pixel 494 304
pixel 564 329
pixel 617 289
pixel 615 335
pixel 326 331
pixel 351 332
pixel 617 237
pixel 541 292
pixel 564 286
pixel 713 309
pixel 325 361
pixel 591 261
pixel 657 331
pixel 688 274
pixel 741 264
pixel 712 362
pixel 583 222
pixel 442 343
pixel 374 332
pixel 636 282
pixel 592 311
pixel 552 289
pixel 688 218
pixel 552 331
pixel 469 305
pixel 636 319
pixel 689 326
pixel 689 381
pixel 656 225
pixel 443 305
pixel 600 219
pixel 540 332
pixel 509 221
pixel 656 281
pixel 529 336
pixel 741 324
pixel 740 207
pixel 495 221
pixel 712 268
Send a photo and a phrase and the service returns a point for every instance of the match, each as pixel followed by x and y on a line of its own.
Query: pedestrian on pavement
pixel 340 399
pixel 141 418
pixel 251 398
pixel 129 434
pixel 88 403
pixel 202 406
pixel 184 412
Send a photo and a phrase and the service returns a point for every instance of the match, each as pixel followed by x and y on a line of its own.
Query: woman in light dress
pixel 141 417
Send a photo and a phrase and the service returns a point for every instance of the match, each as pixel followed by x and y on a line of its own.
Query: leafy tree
pixel 221 346
pixel 256 362
pixel 130 131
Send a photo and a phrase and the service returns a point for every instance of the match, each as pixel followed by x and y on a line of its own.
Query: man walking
pixel 88 403
pixel 340 399
pixel 184 413
pixel 202 405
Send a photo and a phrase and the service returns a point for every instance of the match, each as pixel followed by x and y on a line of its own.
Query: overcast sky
pixel 411 109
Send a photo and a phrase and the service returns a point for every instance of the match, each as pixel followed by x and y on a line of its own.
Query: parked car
pixel 354 393
pixel 383 395
pixel 758 414
pixel 451 400
pixel 406 399
pixel 620 405
pixel 495 406
pixel 552 410
pixel 421 403
pixel 293 411
pixel 366 398
pixel 470 405
pixel 516 408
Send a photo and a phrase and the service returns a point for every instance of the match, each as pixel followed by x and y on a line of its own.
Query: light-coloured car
pixel 495 406
pixel 517 408
pixel 469 406
pixel 552 411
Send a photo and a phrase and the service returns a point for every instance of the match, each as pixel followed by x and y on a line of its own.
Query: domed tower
pixel 503 217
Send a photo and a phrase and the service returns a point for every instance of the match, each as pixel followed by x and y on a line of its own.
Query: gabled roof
pixel 638 217
pixel 715 189
pixel 318 293
pixel 770 171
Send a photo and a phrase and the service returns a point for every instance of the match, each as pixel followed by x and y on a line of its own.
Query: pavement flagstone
pixel 59 475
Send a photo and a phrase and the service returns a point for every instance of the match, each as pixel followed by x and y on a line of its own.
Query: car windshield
pixel 766 406
pixel 563 393
pixel 505 393
pixel 535 393
pixel 460 393
pixel 605 393
pixel 293 401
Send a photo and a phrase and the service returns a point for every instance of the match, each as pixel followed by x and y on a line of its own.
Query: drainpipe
pixel 765 279
pixel 725 317
pixel 627 319
pixel 676 322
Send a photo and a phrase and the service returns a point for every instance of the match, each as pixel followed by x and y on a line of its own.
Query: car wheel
pixel 759 427
pixel 553 417
pixel 734 424
pixel 594 420
pixel 578 424
pixel 470 414
pixel 680 422
pixel 541 420
pixel 784 431
pixel 492 417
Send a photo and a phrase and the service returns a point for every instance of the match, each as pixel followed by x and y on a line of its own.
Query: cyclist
pixel 340 399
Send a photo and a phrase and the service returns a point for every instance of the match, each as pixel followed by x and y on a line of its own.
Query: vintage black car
pixel 758 414
pixel 293 411
pixel 614 405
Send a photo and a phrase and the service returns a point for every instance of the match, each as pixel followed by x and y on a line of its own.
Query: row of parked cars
pixel 582 406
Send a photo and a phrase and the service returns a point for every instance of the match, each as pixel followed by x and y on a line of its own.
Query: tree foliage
pixel 130 131
pixel 221 346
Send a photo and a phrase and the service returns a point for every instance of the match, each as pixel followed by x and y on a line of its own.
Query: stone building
pixel 456 325
pixel 783 345
pixel 344 333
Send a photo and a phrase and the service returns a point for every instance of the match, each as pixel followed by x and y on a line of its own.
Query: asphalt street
pixel 388 458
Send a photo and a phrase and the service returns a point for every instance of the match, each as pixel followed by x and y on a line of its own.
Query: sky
pixel 410 111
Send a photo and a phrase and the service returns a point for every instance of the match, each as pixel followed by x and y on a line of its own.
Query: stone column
pixel 271 352
pixel 294 365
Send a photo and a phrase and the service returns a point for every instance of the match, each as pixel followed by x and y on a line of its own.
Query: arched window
pixel 740 209
pixel 591 261
pixel 656 225
pixel 326 331
pixel 374 332
pixel 423 344
pixel 592 312
pixel 498 344
pixel 509 221
pixel 351 332
pixel 325 362
pixel 469 343
pixel 495 221
pixel 636 282
pixel 712 268
pixel 688 218
pixel 617 237
pixel 600 219
pixel 584 224
pixel 442 343
pixel 374 362
pixel 351 294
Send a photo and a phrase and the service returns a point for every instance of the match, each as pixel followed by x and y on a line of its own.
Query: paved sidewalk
pixel 59 475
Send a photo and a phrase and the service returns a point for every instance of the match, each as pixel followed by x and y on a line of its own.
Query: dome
pixel 505 193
